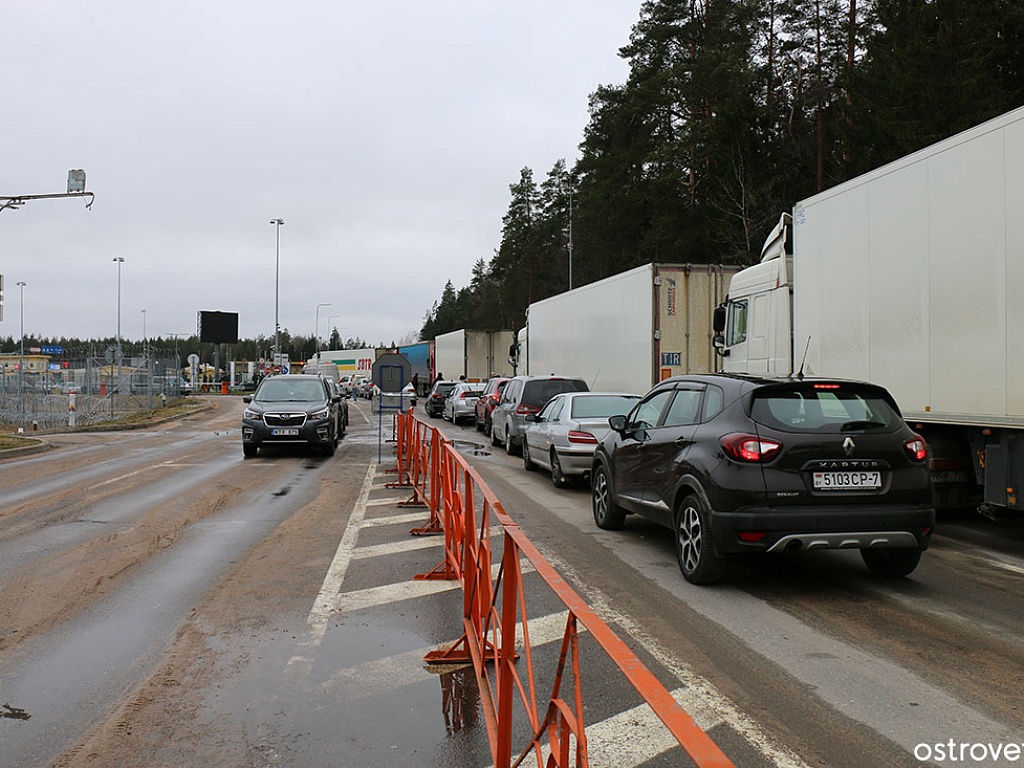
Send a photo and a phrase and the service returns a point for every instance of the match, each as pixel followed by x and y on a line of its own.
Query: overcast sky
pixel 384 133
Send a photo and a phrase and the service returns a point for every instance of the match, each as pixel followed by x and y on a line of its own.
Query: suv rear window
pixel 539 391
pixel 828 408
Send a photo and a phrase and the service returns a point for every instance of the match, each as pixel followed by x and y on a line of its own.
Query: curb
pixel 27 450
pixel 42 445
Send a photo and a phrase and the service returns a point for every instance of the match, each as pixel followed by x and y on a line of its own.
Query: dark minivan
pixel 735 463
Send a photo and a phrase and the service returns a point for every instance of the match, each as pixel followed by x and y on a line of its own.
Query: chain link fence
pixel 72 392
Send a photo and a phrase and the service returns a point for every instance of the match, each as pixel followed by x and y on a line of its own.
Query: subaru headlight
pixel 321 414
pixel 250 414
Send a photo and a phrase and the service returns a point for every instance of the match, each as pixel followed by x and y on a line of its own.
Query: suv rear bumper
pixel 824 528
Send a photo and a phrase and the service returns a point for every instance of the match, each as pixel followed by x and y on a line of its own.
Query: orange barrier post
pixel 428 488
pixel 403 442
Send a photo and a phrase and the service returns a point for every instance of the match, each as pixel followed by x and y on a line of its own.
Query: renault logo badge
pixel 848 446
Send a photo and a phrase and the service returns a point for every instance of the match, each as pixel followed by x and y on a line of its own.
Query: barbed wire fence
pixel 77 390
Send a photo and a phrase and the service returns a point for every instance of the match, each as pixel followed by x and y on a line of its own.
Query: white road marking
pixel 379 676
pixel 614 742
pixel 325 599
pixel 705 704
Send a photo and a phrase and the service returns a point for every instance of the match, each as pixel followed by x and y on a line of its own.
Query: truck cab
pixel 754 326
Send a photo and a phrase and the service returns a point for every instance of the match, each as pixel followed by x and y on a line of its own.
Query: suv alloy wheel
pixel 695 548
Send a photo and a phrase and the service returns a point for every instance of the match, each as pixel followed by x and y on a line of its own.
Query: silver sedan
pixel 563 435
pixel 461 401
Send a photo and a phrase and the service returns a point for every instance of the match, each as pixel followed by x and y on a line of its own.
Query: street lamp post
pixel 149 367
pixel 278 223
pixel 317 330
pixel 21 361
pixel 119 260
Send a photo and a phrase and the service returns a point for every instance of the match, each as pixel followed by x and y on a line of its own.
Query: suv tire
pixel 608 515
pixel 494 436
pixel 250 449
pixel 891 563
pixel 695 549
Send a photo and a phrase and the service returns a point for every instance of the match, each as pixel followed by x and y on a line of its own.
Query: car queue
pixel 730 463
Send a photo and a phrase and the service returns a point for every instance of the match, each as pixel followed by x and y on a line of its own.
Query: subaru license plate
pixel 847 481
pixel 284 432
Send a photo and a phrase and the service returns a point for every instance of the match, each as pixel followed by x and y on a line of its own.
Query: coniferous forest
pixel 733 111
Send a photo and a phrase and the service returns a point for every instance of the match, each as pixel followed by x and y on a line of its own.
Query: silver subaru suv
pixel 524 395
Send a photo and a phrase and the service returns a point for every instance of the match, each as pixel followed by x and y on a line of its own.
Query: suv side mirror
pixel 617 423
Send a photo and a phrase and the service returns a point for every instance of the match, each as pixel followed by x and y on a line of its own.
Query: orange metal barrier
pixel 495 608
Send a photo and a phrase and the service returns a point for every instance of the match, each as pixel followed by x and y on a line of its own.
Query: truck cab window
pixel 736 328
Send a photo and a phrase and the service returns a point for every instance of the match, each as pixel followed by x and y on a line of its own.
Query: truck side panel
pixel 420 357
pixel 911 276
pixel 473 354
pixel 1014 285
pixel 450 354
pixel 601 332
pixel 629 331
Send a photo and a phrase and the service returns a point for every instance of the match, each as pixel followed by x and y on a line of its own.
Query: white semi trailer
pixel 910 276
pixel 629 331
pixel 477 355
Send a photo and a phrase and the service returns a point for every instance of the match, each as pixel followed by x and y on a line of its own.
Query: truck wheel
pixel 891 563
pixel 695 549
pixel 558 478
pixel 607 514
pixel 527 461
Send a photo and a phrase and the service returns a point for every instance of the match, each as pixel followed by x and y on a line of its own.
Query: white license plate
pixel 847 481
pixel 284 432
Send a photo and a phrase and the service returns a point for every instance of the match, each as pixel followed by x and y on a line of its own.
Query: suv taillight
pixel 916 448
pixel 750 448
pixel 524 409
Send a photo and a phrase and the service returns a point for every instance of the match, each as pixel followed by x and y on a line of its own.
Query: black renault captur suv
pixel 735 463
pixel 294 408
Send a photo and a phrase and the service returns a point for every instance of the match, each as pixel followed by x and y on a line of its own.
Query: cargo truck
pixel 476 355
pixel 910 276
pixel 342 362
pixel 629 331
pixel 421 360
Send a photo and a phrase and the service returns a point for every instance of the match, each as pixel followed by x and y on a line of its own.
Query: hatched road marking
pixel 626 739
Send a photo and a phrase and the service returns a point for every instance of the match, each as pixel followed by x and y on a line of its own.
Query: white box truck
pixel 910 276
pixel 473 354
pixel 629 331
